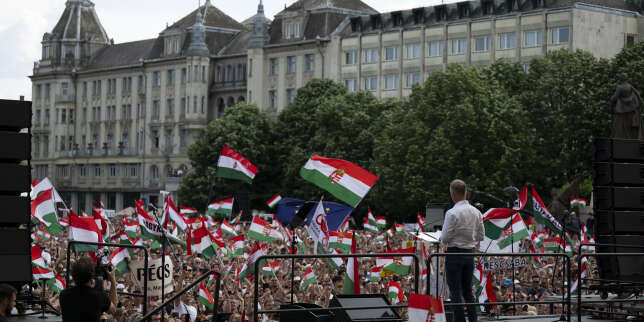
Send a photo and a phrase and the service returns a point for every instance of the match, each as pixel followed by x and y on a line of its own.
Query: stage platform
pixel 34 318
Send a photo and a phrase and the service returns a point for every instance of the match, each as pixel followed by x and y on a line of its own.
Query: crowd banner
pixel 503 264
pixel 156 272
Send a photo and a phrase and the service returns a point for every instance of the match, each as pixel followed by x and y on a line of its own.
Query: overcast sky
pixel 23 23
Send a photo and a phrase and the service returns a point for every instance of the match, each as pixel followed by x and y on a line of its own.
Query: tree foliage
pixel 492 127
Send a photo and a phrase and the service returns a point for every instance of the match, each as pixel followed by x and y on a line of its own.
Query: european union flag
pixel 335 213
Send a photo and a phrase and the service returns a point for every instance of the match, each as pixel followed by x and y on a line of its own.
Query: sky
pixel 22 25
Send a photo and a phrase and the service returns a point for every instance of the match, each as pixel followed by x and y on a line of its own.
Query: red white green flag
pixel 263 231
pixel 205 298
pixel 249 266
pixel 170 213
pixel 237 245
pixel 226 228
pixel 370 223
pixel 274 201
pixel 352 278
pixel 84 229
pixel 308 278
pixel 271 268
pixel 578 202
pixel 340 241
pixel 223 207
pixel 201 242
pixel 44 210
pixel 343 179
pixel 381 222
pixel 119 260
pixel 395 292
pixel 57 284
pixel 233 165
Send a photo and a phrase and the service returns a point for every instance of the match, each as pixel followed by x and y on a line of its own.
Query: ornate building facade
pixel 112 122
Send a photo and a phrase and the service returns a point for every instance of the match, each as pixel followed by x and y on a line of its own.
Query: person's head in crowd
pixel 7 299
pixel 83 271
pixel 457 190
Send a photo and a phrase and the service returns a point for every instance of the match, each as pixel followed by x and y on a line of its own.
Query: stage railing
pixel 579 263
pixel 145 263
pixel 564 299
pixel 257 312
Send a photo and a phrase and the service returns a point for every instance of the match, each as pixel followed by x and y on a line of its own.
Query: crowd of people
pixel 532 282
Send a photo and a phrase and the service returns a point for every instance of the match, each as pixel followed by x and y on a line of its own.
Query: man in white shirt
pixel 462 232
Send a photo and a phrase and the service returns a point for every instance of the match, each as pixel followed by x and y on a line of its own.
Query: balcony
pixel 65 98
pixel 103 152
pixel 229 85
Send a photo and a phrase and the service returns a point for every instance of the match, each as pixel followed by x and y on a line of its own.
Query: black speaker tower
pixel 618 191
pixel 15 179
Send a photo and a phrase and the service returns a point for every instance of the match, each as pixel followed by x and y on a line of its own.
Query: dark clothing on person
pixel 83 304
pixel 3 319
pixel 460 270
pixel 575 226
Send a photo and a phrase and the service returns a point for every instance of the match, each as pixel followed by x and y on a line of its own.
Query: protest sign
pixel 156 272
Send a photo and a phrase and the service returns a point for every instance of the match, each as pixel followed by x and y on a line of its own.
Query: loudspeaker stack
pixel 618 190
pixel 15 183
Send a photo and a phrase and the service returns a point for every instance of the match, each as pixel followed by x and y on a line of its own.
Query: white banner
pixel 504 263
pixel 318 229
pixel 155 273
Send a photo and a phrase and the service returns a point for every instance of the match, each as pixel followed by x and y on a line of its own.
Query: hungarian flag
pixel 237 245
pixel 44 210
pixel 578 202
pixel 249 266
pixel 345 225
pixel 381 222
pixel 274 201
pixel 553 244
pixel 573 287
pixel 420 222
pixel 345 180
pixel 233 165
pixel 487 293
pixel 188 211
pixel 235 221
pixel 390 232
pixel 39 187
pixel 118 258
pixel 36 257
pixel 201 242
pixel 503 229
pixel 423 308
pixel 523 199
pixel 308 278
pixel 340 241
pixel 84 229
pixel 262 231
pixel 205 298
pixel 57 284
pixel 397 265
pixel 395 292
pixel 226 228
pixel 400 229
pixel 271 268
pixel 223 207
pixel 131 228
pixel 151 229
pixel 101 222
pixel 375 274
pixel 42 273
pixel 333 263
pixel 352 278
pixel 170 213
pixel 478 279
pixel 542 215
pixel 369 227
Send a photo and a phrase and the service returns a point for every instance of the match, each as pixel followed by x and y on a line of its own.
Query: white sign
pixel 109 213
pixel 503 264
pixel 156 272
pixel 318 229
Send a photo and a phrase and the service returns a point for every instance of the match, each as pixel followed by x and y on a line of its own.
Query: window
pixel 98 113
pixel 170 107
pixel 203 104
pixel 156 76
pixel 203 74
pixel 110 141
pixel 413 51
pixel 113 170
pixel 196 70
pixel 183 105
pixel 391 81
pixel 39 90
pixel 560 35
pixel 459 46
pixel 297 30
pixel 309 60
pixel 126 140
pixel 47 91
pixel 290 95
pixel 533 38
pixel 630 40
pixel 168 139
pixel 82 170
pixel 436 48
pixel 412 79
pixel 46 53
pixel 64 88
pixel 45 146
pixel 155 172
pixel 351 84
pixel 350 57
pixel 182 138
pixel 37 116
pixel 288 31
pixel 526 67
pixel 132 169
pixel 482 44
pixel 371 56
pixel 123 112
pixel 250 67
pixel 272 99
pixel 141 85
pixel 194 104
pixel 155 109
pixel 63 115
pixel 184 74
pixel 391 53
pixel 371 83
pixel 97 170
pixel 273 66
pixel 142 110
pixel 95 141
pixel 170 77
pixel 36 145
pixel 155 139
pixel 507 41
pixel 46 116
pixel 62 143
pixel 291 62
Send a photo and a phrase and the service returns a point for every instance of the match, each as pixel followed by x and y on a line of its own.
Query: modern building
pixel 112 122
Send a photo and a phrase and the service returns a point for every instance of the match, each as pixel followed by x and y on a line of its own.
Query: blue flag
pixel 335 213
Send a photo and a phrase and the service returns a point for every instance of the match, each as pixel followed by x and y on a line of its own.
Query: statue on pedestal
pixel 627 121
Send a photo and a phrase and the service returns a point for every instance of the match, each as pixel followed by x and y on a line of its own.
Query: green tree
pixel 461 124
pixel 246 130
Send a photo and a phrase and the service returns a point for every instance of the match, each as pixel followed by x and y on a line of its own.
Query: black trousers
pixel 460 270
